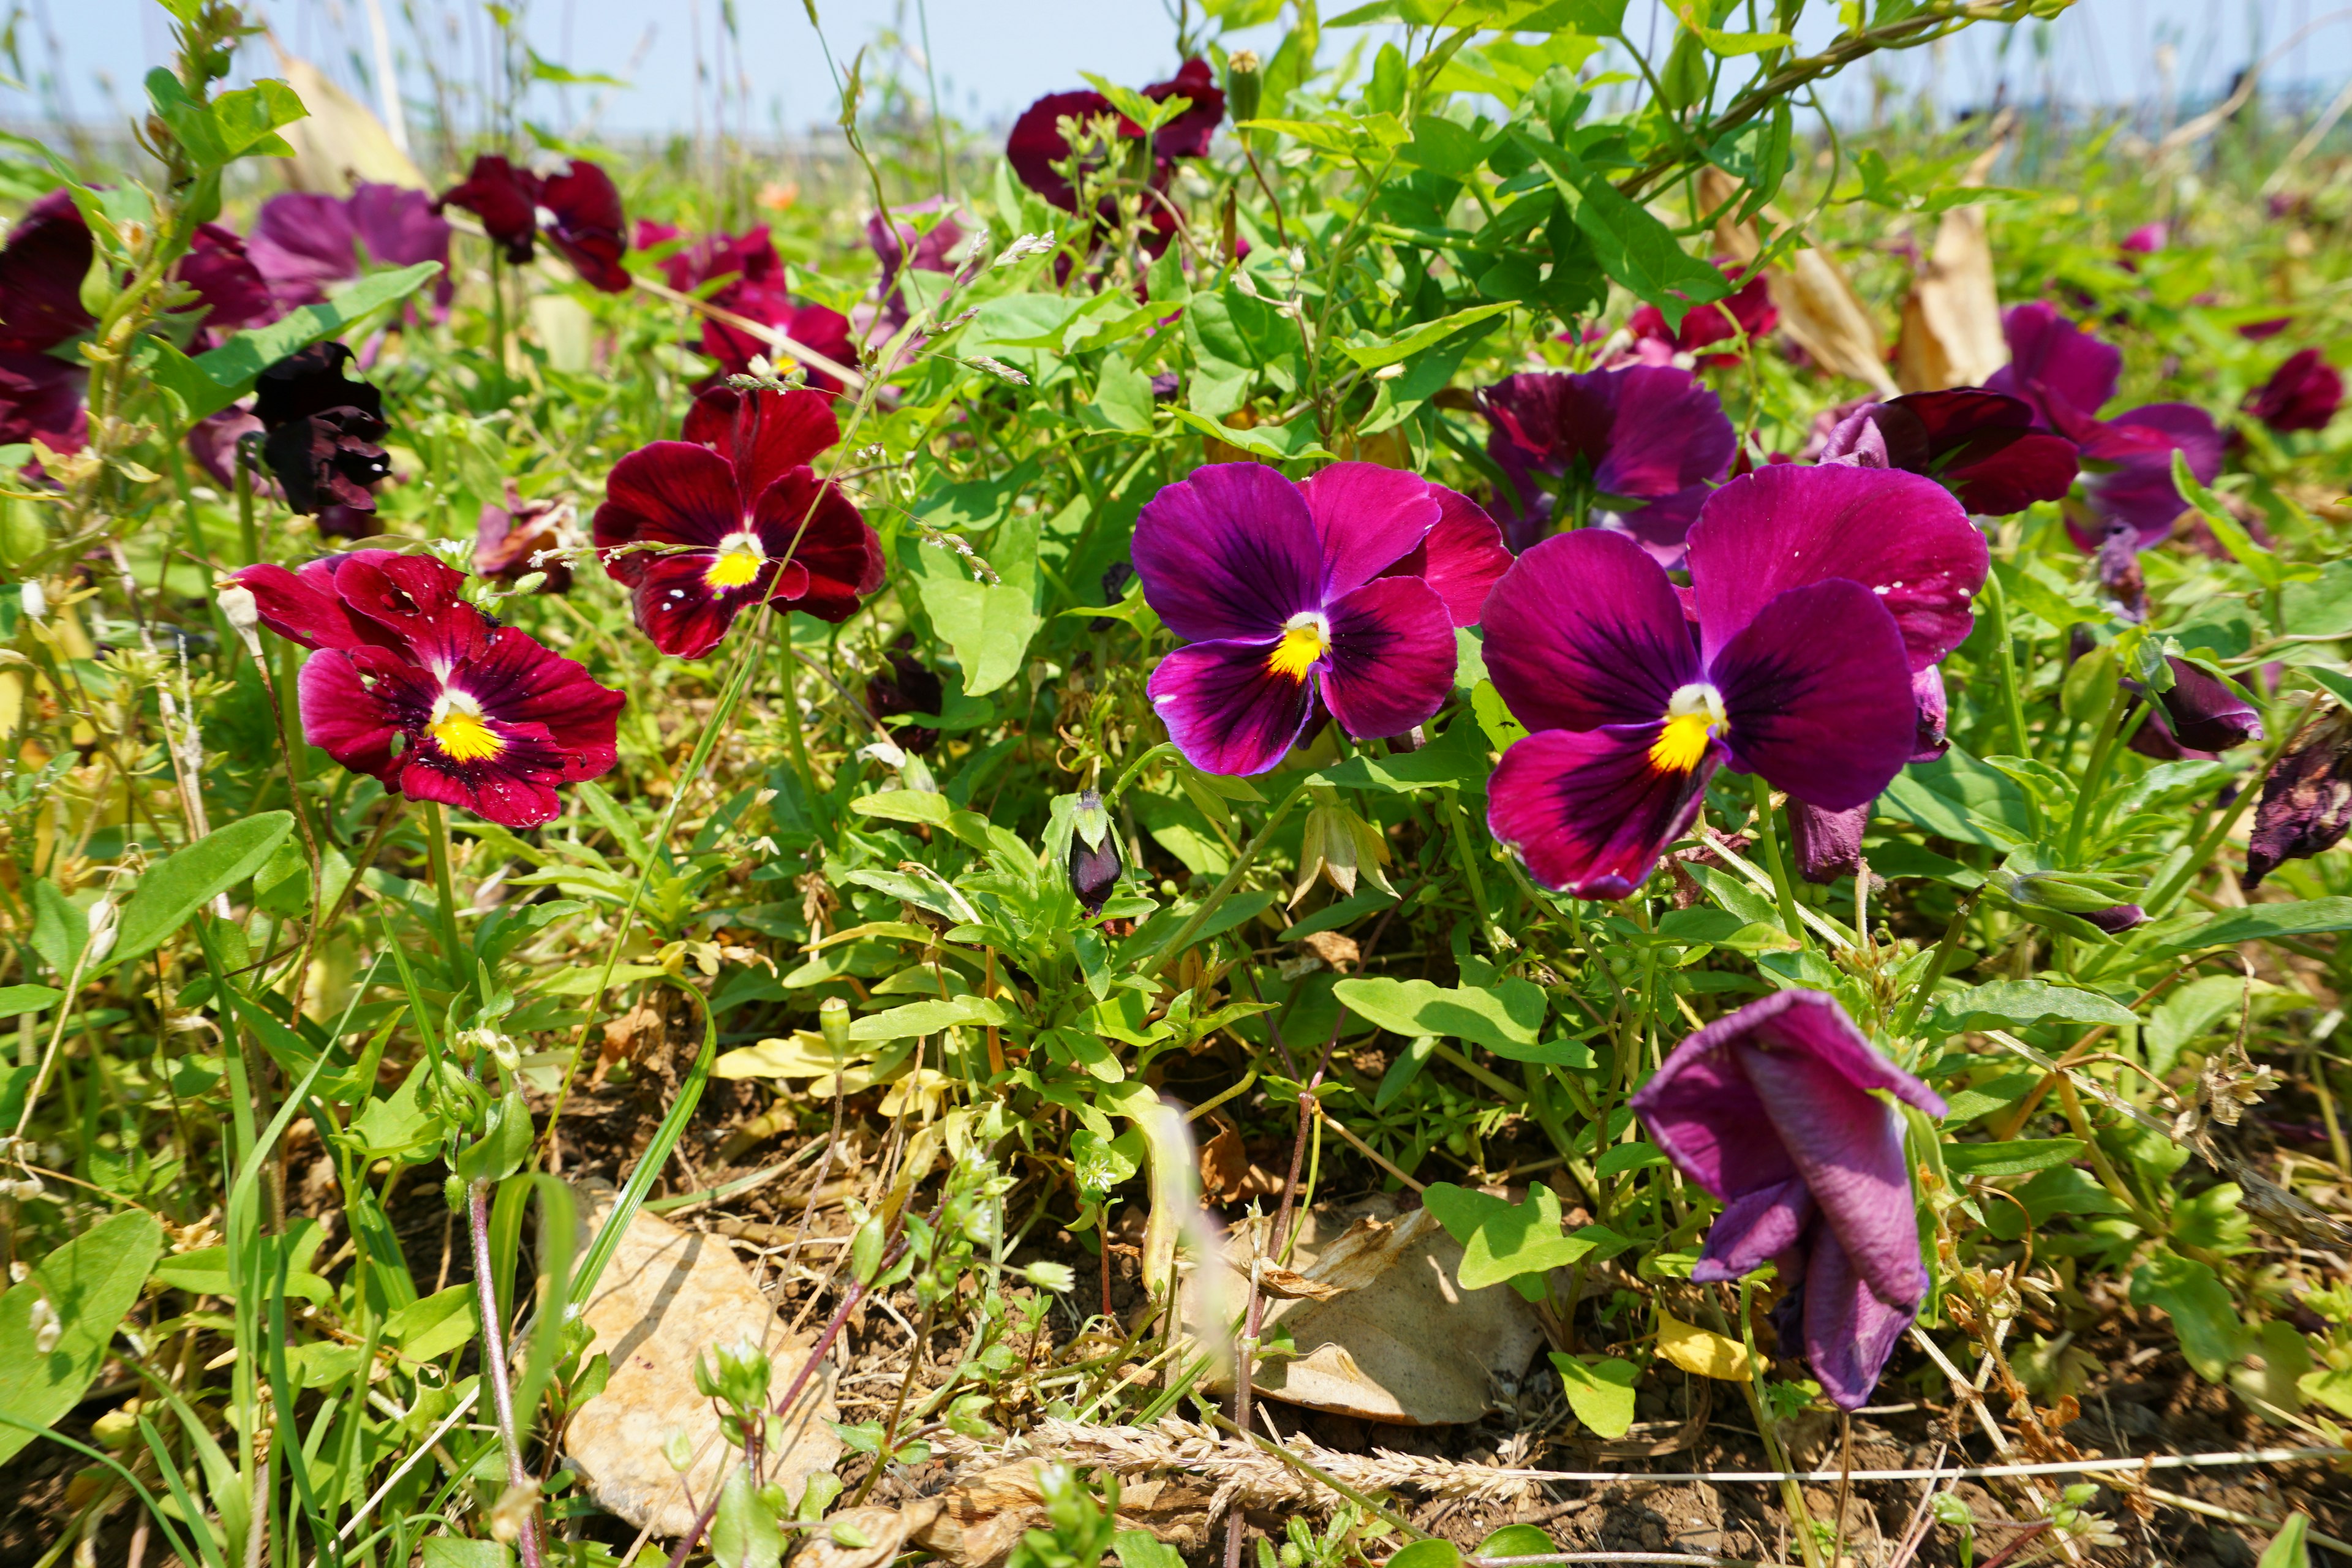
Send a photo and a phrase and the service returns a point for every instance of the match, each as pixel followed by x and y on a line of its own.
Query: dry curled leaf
pixel 1341 953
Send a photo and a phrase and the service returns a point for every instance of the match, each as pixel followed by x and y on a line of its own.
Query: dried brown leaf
pixel 1951 323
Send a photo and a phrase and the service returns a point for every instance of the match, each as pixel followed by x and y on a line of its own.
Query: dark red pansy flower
pixel 577 208
pixel 2303 393
pixel 510 539
pixel 751 283
pixel 323 431
pixel 41 269
pixel 1981 445
pixel 230 290
pixel 408 683
pixel 41 400
pixel 1748 311
pixel 744 517
pixel 1036 143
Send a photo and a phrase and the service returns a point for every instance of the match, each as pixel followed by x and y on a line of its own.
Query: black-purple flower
pixel 323 431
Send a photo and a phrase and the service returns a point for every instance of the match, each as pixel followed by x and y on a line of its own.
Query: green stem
pixel 436 847
pixel 1496 938
pixel 2095 774
pixel 2226 818
pixel 1223 889
pixel 248 533
pixel 497 312
pixel 1768 834
pixel 1996 607
pixel 1944 949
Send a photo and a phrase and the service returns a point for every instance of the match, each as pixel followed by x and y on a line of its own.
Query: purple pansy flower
pixel 1644 442
pixel 305 242
pixel 1348 585
pixel 1982 445
pixel 1818 594
pixel 1775 1109
pixel 2067 376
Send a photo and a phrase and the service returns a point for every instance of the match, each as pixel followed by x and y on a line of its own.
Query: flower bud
pixel 1058 1277
pixel 1244 84
pixel 36 599
pixel 43 1321
pixel 101 934
pixel 2066 892
pixel 833 1023
pixel 243 613
pixel 1094 853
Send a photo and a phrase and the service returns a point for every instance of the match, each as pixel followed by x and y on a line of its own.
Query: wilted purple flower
pixel 908 686
pixel 1283 591
pixel 508 539
pixel 1644 443
pixel 1981 445
pixel 1775 1111
pixel 2201 716
pixel 1815 591
pixel 2307 801
pixel 2301 394
pixel 323 431
pixel 304 242
pixel 1826 844
pixel 899 245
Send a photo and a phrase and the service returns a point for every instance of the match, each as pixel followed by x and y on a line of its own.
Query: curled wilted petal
pixel 1827 844
pixel 2307 801
pixel 2200 714
pixel 509 540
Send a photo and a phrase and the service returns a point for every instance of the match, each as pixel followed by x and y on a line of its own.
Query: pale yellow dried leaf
pixel 340 143
pixel 1951 322
pixel 1701 1352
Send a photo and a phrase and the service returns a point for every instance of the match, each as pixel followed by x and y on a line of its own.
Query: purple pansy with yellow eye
pixel 1817 593
pixel 1347 586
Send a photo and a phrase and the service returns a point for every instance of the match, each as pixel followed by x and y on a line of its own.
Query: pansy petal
pixel 1585 630
pixel 1928 741
pixel 1667 433
pixel 1036 143
pixel 1826 844
pixel 1901 536
pixel 685 614
pixel 504 197
pixel 1753 1227
pixel 1463 557
pixel 2064 372
pixel 2134 452
pixel 41 271
pixel 1701 1110
pixel 2000 474
pixel 1226 707
pixel 1819 700
pixel 1663 527
pixel 668 492
pixel 1366 517
pixel 1189 134
pixel 810 523
pixel 41 399
pixel 352 703
pixel 515 788
pixel 1587 811
pixel 1392 657
pixel 1229 552
pixel 764 433
pixel 416 599
pixel 1849 1333
pixel 519 681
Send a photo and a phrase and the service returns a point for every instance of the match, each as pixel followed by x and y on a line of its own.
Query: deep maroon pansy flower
pixel 897 245
pixel 1814 591
pixel 1348 586
pixel 510 538
pixel 2307 801
pixel 322 431
pixel 578 209
pixel 413 685
pixel 304 242
pixel 2303 393
pixel 41 400
pixel 2067 376
pixel 41 267
pixel 744 515
pixel 1981 445
pixel 1643 444
pixel 1775 1109
pixel 1036 143
pixel 2202 715
pixel 1748 311
pixel 230 290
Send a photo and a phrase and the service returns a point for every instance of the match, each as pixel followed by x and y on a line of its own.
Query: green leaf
pixel 211 382
pixel 1601 1391
pixel 906 805
pixel 1122 399
pixel 1444 147
pixel 2203 1314
pixel 1275 443
pixel 87 1286
pixel 461 1551
pixel 1372 353
pixel 1634 247
pixel 2015 1158
pixel 172 891
pixel 1141 1549
pixel 20 999
pixel 1503 1241
pixel 919 1018
pixel 2225 526
pixel 1455 759
pixel 249 118
pixel 2320 609
pixel 1432 1551
pixel 1959 797
pixel 2306 917
pixel 1504 1018
pixel 2289 1548
pixel 987 625
pixel 1516 1541
pixel 431 1327
pixel 2026 1002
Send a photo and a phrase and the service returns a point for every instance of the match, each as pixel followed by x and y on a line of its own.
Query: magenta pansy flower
pixel 1775 1109
pixel 1347 586
pixel 1981 445
pixel 410 684
pixel 2067 375
pixel 2303 393
pixel 1643 444
pixel 1748 311
pixel 578 209
pixel 742 518
pixel 1817 593
pixel 897 245
pixel 305 242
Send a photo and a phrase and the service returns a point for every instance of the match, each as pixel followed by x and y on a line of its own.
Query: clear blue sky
pixel 995 56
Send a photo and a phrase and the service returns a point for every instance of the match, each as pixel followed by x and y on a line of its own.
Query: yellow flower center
pixel 1692 718
pixel 459 730
pixel 740 560
pixel 1304 640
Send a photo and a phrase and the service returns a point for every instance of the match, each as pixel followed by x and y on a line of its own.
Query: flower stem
pixel 1233 878
pixel 1769 834
pixel 1496 938
pixel 2013 698
pixel 248 533
pixel 497 312
pixel 493 1350
pixel 1944 949
pixel 437 846
pixel 2162 900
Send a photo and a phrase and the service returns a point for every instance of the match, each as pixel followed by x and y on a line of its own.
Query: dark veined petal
pixel 515 788
pixel 1999 474
pixel 2064 372
pixel 520 682
pixel 1366 517
pixel 685 613
pixel 668 493
pixel 1663 527
pixel 835 557
pixel 504 197
pixel 1226 707
pixel 41 269
pixel 1587 811
pixel 1036 144
pixel 1753 1229
pixel 1667 433
pixel 41 398
pixel 1461 559
pixel 2133 453
pixel 1229 552
pixel 587 225
pixel 1903 537
pixel 361 705
pixel 2303 393
pixel 1850 1333
pixel 1189 134
pixel 230 291
pixel 1818 698
pixel 1585 630
pixel 1391 658
pixel 763 433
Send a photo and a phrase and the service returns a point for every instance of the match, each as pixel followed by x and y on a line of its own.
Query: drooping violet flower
pixel 1981 445
pixel 897 245
pixel 41 267
pixel 749 281
pixel 1826 844
pixel 1094 853
pixel 2303 393
pixel 748 520
pixel 323 431
pixel 410 684
pixel 1775 1109
pixel 2201 716
pixel 1815 591
pixel 577 208
pixel 1037 143
pixel 2307 801
pixel 1643 444
pixel 2067 376
pixel 1748 311
pixel 508 539
pixel 305 242
pixel 1347 586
